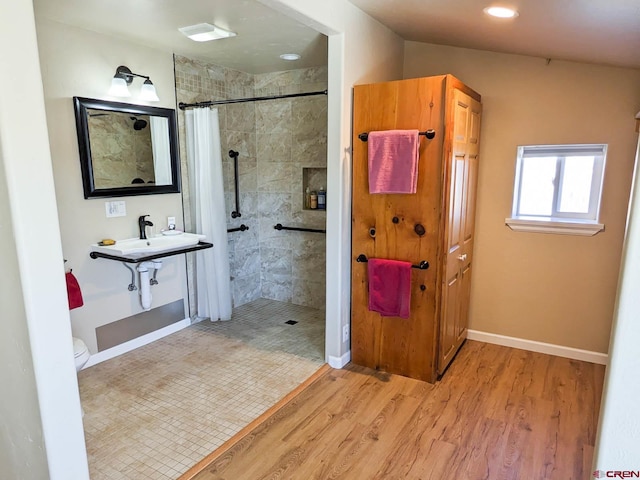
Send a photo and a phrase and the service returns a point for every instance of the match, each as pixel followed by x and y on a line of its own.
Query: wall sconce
pixel 124 77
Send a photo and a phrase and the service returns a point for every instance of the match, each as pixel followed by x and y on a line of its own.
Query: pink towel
pixel 389 287
pixel 74 294
pixel 393 161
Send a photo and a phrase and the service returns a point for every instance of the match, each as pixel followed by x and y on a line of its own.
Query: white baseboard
pixel 540 347
pixel 136 343
pixel 339 362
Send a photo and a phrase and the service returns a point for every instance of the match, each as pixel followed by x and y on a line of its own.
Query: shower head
pixel 138 124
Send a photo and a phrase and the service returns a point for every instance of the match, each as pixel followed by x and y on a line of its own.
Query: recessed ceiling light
pixel 501 12
pixel 204 32
pixel 290 56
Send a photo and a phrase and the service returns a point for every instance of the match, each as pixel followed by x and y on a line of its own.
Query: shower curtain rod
pixel 210 103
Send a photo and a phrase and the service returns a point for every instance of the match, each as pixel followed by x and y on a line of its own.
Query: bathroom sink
pixel 135 247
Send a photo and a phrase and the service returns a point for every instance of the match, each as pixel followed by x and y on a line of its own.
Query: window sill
pixel 554 226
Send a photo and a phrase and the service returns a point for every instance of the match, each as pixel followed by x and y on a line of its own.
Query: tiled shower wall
pixel 276 140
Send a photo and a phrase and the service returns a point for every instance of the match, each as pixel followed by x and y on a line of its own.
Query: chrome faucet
pixel 143 224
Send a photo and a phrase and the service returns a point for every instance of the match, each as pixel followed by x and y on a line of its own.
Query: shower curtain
pixel 161 150
pixel 213 282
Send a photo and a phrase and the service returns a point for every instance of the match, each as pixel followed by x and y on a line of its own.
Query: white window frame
pixel 568 223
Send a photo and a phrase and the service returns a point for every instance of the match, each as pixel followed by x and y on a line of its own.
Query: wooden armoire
pixel 436 224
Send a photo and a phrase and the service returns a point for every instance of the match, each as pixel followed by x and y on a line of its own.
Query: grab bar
pixel 241 228
pixel 296 229
pixel 233 154
pixel 423 265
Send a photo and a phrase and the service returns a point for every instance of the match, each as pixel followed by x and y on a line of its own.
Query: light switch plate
pixel 116 209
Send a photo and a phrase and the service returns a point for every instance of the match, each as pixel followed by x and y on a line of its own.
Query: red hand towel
pixel 393 161
pixel 389 287
pixel 74 294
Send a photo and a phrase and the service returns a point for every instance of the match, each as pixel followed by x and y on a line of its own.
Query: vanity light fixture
pixel 204 32
pixel 290 56
pixel 124 77
pixel 501 12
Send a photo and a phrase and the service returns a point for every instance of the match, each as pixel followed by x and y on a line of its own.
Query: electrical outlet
pixel 345 333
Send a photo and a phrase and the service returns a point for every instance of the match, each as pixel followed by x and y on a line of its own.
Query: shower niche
pixel 313 178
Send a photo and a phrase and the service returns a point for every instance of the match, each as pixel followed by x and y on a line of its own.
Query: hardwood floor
pixel 498 413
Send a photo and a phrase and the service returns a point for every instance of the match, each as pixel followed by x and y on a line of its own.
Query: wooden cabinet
pixel 424 344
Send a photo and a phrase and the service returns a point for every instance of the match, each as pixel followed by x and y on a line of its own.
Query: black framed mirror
pixel 126 149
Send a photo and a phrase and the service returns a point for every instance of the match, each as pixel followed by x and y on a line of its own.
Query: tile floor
pixel 156 411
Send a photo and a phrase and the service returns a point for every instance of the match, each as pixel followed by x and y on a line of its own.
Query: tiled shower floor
pixel 156 411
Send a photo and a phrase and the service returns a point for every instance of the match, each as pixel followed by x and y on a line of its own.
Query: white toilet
pixel 80 353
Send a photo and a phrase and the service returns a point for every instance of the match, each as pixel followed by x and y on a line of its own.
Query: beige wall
pixel 41 434
pixel 22 453
pixel 549 288
pixel 77 62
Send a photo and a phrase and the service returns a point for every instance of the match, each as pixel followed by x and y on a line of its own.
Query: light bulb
pixel 501 12
pixel 119 87
pixel 148 92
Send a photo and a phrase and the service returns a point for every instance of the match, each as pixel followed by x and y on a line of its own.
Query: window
pixel 557 189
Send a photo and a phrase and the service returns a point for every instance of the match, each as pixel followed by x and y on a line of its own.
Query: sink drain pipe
pixel 146 281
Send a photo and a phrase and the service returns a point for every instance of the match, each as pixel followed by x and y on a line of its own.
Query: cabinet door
pixel 468 227
pixel 449 331
pixel 462 167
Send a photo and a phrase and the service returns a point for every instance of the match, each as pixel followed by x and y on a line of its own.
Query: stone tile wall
pixel 276 140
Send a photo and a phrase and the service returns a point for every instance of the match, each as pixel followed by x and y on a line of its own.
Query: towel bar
pixel 423 265
pixel 427 133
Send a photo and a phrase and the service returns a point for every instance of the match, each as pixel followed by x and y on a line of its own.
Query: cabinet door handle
pixel 462 257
